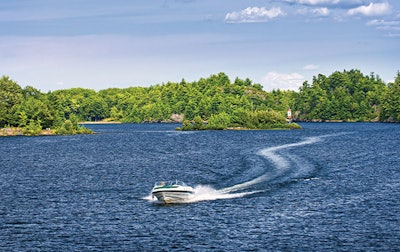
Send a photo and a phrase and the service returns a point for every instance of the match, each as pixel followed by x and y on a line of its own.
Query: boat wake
pixel 284 166
pixel 281 164
pixel 206 193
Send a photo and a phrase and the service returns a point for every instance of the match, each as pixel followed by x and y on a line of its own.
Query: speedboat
pixel 172 192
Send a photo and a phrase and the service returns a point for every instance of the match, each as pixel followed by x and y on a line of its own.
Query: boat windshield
pixel 170 183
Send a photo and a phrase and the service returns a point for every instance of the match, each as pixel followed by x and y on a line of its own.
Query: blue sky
pixel 98 44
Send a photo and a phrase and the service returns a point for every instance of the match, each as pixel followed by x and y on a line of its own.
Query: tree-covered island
pixel 209 103
pixel 29 112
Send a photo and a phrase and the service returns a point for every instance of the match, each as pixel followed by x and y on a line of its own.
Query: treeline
pixel 34 111
pixel 347 96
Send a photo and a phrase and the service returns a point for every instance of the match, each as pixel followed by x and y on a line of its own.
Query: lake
pixel 329 186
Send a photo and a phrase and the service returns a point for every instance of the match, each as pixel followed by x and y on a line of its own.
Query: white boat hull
pixel 169 197
pixel 172 192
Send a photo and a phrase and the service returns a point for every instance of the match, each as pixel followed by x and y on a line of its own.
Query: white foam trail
pixel 149 198
pixel 206 193
pixel 244 185
pixel 279 160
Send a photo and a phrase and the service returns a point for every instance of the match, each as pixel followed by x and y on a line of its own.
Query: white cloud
pixel 385 25
pixel 381 22
pixel 337 3
pixel 310 67
pixel 282 81
pixel 373 9
pixel 393 35
pixel 320 11
pixel 317 12
pixel 392 27
pixel 253 14
pixel 314 2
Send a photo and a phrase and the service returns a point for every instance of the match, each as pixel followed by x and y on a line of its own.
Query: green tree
pixel 219 121
pixel 268 119
pixel 116 114
pixel 67 128
pixel 186 125
pixel 391 104
pixel 34 128
pixel 93 108
pixel 347 95
pixel 34 109
pixel 198 123
pixel 10 97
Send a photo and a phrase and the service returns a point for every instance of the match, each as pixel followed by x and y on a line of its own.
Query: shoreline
pixel 18 131
pixel 98 122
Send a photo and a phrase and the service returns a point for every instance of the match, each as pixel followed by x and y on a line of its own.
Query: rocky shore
pixel 18 131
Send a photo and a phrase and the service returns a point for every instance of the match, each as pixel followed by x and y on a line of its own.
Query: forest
pixel 215 102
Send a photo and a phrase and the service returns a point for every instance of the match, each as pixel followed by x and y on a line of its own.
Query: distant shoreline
pixel 117 122
pixel 99 122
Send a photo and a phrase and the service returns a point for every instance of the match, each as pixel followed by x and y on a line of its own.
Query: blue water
pixel 330 186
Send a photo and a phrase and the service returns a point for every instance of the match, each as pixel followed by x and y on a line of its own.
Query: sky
pixel 100 44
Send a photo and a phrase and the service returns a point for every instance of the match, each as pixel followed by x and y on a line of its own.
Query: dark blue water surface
pixel 330 186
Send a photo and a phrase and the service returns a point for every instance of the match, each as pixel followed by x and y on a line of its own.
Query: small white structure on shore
pixel 289 115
